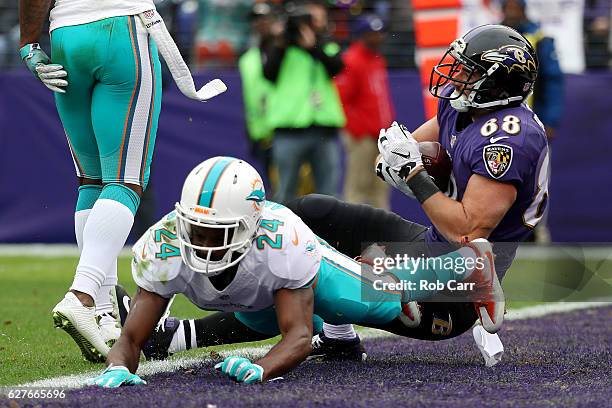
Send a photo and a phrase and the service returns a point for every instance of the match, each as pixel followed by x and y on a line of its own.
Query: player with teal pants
pixel 105 72
pixel 227 249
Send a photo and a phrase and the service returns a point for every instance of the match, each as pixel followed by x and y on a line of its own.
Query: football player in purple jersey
pixel 498 187
pixel 499 181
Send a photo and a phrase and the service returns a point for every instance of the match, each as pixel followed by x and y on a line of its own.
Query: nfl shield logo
pixel 497 159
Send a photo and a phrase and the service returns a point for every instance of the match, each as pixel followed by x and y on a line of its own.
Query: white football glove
pixel 53 76
pixel 400 150
pixel 390 176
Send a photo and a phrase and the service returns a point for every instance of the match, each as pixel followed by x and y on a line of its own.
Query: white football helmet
pixel 224 193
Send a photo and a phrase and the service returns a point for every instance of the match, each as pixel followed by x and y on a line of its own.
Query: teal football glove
pixel 115 376
pixel 51 75
pixel 241 370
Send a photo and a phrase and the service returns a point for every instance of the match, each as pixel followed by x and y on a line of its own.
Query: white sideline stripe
pixel 525 252
pixel 154 367
pixel 47 250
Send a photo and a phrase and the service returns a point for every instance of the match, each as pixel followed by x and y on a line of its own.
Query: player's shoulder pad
pixel 509 141
pixel 156 255
pixel 510 126
pixel 287 245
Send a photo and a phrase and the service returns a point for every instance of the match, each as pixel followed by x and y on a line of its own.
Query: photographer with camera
pixel 305 109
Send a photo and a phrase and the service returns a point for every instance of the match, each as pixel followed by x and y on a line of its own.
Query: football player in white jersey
pixel 228 249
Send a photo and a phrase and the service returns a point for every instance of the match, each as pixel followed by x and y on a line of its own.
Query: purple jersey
pixel 508 145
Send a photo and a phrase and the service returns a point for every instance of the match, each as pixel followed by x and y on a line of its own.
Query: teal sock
pixel 88 194
pixel 121 194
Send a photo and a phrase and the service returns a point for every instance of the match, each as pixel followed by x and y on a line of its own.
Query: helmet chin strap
pixel 461 104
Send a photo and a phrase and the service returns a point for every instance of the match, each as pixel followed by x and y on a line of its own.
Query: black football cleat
pixel 156 348
pixel 121 303
pixel 326 349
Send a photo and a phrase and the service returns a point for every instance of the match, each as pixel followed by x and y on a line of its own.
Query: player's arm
pixel 484 204
pixel 294 310
pixel 32 15
pixel 428 131
pixel 146 308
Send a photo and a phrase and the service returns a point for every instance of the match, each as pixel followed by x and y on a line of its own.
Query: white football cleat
pixel 490 302
pixel 79 322
pixel 110 328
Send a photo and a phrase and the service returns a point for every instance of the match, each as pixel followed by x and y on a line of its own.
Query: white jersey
pixel 75 12
pixel 285 254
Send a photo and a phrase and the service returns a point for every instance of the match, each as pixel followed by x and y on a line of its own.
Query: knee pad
pixel 122 194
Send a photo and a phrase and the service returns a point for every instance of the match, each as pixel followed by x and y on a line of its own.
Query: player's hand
pixel 51 75
pixel 400 150
pixel 115 376
pixel 391 177
pixel 241 370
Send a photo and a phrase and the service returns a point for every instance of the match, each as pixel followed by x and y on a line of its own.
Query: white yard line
pixel 47 250
pixel 154 367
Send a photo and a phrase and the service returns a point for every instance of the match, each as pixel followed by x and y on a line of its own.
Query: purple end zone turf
pixel 559 360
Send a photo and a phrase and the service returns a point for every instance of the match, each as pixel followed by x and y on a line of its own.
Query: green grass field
pixel 31 348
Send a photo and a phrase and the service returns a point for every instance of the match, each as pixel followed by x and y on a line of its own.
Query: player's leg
pixel 288 151
pixel 324 158
pixel 348 226
pixel 216 329
pixel 125 109
pixel 439 321
pixel 124 112
pixel 75 313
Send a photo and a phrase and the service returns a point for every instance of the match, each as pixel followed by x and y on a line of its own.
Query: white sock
pixel 470 259
pixel 80 219
pixel 103 299
pixel 340 331
pixel 178 340
pixel 105 232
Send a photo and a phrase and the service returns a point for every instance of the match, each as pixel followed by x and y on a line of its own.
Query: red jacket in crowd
pixel 364 90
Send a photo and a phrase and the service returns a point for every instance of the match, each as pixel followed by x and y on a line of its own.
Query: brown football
pixel 437 163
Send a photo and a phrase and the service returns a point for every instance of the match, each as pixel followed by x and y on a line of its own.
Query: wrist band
pixel 422 186
pixel 26 50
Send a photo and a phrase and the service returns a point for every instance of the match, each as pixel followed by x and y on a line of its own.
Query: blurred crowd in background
pixel 217 32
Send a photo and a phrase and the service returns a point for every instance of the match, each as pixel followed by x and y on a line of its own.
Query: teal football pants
pixel 111 106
